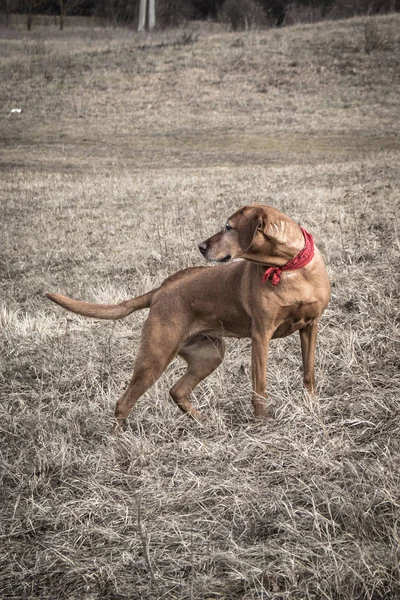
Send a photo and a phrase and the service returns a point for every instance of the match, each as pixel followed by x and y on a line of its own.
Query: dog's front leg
pixel 308 337
pixel 259 355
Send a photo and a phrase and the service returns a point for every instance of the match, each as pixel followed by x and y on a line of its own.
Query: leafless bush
pixel 173 12
pixel 116 11
pixel 310 12
pixel 373 37
pixel 243 14
pixel 186 38
pixel 299 13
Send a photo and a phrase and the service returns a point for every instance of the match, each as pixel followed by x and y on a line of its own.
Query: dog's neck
pixel 301 259
pixel 284 241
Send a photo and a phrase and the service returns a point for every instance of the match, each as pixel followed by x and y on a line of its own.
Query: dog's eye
pixel 228 227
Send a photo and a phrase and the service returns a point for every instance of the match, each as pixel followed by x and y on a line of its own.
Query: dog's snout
pixel 203 248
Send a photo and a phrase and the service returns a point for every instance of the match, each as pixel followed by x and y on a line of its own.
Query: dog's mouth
pixel 225 259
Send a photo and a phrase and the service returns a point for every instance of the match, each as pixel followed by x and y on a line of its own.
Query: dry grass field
pixel 129 150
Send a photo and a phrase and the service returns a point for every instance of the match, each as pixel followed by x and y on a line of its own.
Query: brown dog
pixel 280 287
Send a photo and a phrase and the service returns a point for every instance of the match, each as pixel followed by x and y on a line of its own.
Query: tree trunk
pixel 142 15
pixel 29 20
pixel 152 14
pixel 61 15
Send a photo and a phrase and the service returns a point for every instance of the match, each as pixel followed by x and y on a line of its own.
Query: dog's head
pixel 258 233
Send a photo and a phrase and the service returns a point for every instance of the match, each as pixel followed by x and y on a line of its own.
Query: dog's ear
pixel 251 221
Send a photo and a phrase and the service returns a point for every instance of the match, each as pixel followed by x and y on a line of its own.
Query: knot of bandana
pixel 300 260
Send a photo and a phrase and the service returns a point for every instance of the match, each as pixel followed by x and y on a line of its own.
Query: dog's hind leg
pixel 160 342
pixel 202 355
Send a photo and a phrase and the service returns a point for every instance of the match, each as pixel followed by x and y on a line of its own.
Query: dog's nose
pixel 203 248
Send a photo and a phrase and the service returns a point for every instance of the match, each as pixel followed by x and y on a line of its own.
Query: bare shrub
pixel 68 7
pixel 373 37
pixel 275 11
pixel 186 38
pixel 243 14
pixel 302 11
pixel 116 11
pixel 173 12
pixel 299 13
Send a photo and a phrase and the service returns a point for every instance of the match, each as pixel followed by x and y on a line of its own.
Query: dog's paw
pixel 119 426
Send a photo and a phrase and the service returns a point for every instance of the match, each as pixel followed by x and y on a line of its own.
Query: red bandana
pixel 300 260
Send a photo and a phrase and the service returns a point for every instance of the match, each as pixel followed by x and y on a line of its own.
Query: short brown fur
pixel 195 308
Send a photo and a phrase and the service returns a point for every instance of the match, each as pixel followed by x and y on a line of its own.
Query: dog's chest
pixel 295 318
pixel 220 316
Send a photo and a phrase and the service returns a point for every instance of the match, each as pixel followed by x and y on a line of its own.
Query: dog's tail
pixel 103 311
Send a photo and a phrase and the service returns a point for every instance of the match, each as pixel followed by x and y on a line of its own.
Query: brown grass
pixel 128 151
